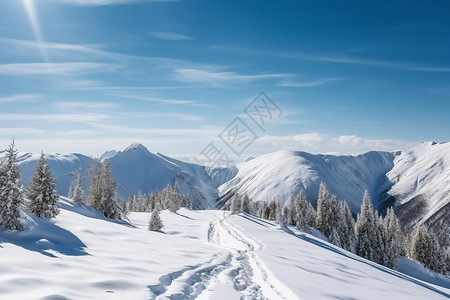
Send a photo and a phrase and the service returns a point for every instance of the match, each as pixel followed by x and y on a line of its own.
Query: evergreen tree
pixel 391 239
pixel 11 191
pixel 155 223
pixel 245 205
pixel 334 238
pixel 236 204
pixel 43 199
pixel 271 211
pixel 378 244
pixel 324 212
pixel 304 215
pixel 174 199
pixel 130 204
pixel 102 192
pixel 346 228
pixel 96 186
pixel 112 207
pixel 77 191
pixel 425 249
pixel 365 229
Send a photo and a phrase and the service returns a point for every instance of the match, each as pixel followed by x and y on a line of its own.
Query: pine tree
pixel 130 204
pixel 11 191
pixel 323 211
pixel 391 239
pixel 235 206
pixel 245 205
pixel 365 229
pixel 271 211
pixel 43 198
pixel 174 198
pixel 346 228
pixel 112 207
pixel 334 238
pixel 96 186
pixel 77 191
pixel 425 249
pixel 102 192
pixel 378 244
pixel 304 215
pixel 155 223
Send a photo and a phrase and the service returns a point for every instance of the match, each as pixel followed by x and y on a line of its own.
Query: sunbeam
pixel 34 22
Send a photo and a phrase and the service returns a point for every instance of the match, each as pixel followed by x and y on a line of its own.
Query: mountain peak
pixel 136 146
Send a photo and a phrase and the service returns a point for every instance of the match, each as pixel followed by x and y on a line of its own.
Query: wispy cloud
pixel 20 130
pixel 335 58
pixel 68 68
pixel 68 105
pixel 77 117
pixel 159 100
pixel 366 61
pixel 314 83
pixel 109 2
pixel 215 78
pixel 21 98
pixel 169 36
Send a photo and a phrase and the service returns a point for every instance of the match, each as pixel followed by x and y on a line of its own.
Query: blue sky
pixel 88 76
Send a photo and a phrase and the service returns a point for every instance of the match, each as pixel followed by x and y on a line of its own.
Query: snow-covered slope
pixel 199 254
pixel 277 175
pixel 421 182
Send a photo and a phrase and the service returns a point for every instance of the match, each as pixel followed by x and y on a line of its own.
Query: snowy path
pixel 235 272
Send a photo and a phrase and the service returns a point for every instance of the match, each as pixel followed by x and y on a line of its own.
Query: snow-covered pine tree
pixel 41 193
pixel 272 211
pixel 130 204
pixel 305 214
pixel 292 210
pixel 11 191
pixel 365 229
pixel 236 204
pixel 378 248
pixel 334 238
pixel 391 239
pixel 323 211
pixel 96 186
pixel 245 204
pixel 102 192
pixel 112 208
pixel 77 190
pixel 346 228
pixel 174 198
pixel 155 223
pixel 71 188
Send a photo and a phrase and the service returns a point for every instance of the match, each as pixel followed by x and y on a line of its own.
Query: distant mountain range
pixel 415 181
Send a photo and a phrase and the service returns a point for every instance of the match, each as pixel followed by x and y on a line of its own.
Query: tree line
pixel 372 236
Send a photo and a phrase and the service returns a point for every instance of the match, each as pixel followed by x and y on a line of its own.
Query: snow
pixel 204 254
pixel 137 170
pixel 277 175
pixel 417 176
pixel 423 171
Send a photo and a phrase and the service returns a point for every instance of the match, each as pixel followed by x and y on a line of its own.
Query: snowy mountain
pixel 137 170
pixel 199 255
pixel 278 175
pixel 415 181
pixel 421 183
